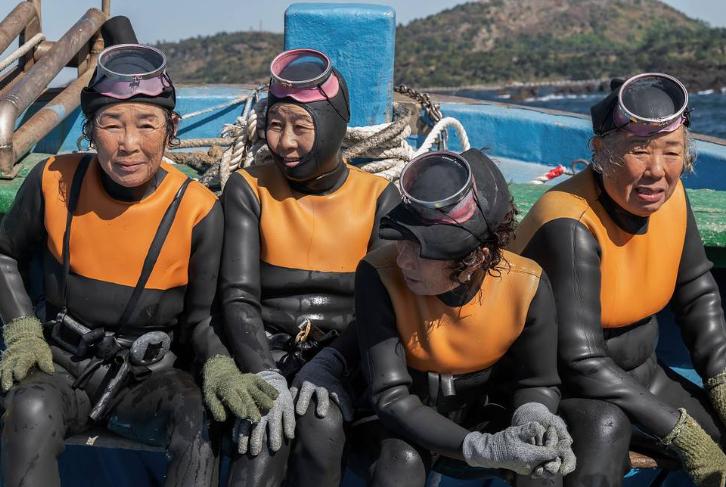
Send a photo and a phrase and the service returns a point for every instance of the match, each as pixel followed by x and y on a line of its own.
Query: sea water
pixel 708 114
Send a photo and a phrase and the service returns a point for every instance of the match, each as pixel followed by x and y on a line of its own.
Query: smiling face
pixel 649 170
pixel 130 139
pixel 290 133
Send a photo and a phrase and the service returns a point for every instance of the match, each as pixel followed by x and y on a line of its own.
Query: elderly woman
pixel 457 334
pixel 295 230
pixel 130 249
pixel 619 243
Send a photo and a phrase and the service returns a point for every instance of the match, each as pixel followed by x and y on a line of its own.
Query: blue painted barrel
pixel 360 40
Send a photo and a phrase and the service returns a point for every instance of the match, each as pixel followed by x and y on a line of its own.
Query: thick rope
pixel 22 50
pixel 384 146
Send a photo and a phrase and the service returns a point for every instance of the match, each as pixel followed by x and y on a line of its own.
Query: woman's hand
pixel 25 348
pixel 278 420
pixel 555 435
pixel 511 449
pixel 247 396
pixel 321 377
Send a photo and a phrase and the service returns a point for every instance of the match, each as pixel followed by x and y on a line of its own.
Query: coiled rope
pixel 378 149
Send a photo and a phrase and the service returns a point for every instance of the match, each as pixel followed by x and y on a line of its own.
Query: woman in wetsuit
pixel 619 243
pixel 295 230
pixel 130 249
pixel 457 334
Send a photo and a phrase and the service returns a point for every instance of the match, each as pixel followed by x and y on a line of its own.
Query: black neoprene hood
pixel 118 30
pixel 330 118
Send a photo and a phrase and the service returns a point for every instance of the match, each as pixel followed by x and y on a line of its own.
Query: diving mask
pixel 126 70
pixel 303 75
pixel 439 187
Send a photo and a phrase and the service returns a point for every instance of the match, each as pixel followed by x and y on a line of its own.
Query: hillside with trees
pixel 502 41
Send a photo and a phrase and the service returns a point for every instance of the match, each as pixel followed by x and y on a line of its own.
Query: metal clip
pixel 305 326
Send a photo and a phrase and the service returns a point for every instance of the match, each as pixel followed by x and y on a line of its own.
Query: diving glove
pixel 322 377
pixel 702 458
pixel 556 435
pixel 278 420
pixel 247 396
pixel 510 449
pixel 25 348
pixel 717 393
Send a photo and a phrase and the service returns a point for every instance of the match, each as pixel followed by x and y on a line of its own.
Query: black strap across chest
pixel 151 256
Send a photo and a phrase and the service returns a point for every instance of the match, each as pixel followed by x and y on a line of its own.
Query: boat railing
pixel 38 63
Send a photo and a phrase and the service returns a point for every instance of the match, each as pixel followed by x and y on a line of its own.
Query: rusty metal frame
pixel 78 47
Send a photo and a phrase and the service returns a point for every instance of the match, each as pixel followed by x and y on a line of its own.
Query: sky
pixel 172 20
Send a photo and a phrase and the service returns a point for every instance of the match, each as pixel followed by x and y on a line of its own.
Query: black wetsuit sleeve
pixel 532 359
pixel 21 232
pixel 697 305
pixel 387 200
pixel 347 343
pixel 384 364
pixel 570 256
pixel 240 285
pixel 203 273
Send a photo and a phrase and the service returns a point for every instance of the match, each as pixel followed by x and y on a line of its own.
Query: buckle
pixel 149 348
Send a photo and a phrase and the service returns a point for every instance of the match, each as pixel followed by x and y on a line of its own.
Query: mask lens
pixel 438 186
pixel 300 68
pixel 126 70
pixel 651 103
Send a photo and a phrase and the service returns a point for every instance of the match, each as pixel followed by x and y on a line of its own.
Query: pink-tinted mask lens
pixel 306 95
pixel 644 129
pixel 124 89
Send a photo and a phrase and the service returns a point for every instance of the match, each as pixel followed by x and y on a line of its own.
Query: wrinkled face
pixel 649 172
pixel 130 139
pixel 425 277
pixel 290 133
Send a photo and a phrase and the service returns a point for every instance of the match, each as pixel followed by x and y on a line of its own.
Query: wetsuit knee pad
pixel 400 458
pixel 598 421
pixel 33 406
pixel 310 427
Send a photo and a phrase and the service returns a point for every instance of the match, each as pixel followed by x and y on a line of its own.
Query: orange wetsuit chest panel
pixel 638 272
pixel 326 233
pixel 110 238
pixel 459 340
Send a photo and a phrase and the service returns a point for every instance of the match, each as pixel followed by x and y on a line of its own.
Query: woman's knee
pixel 310 428
pixel 401 461
pixel 33 405
pixel 596 421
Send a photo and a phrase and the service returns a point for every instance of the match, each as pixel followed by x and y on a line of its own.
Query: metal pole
pixel 106 7
pixel 42 122
pixel 36 80
pixel 14 23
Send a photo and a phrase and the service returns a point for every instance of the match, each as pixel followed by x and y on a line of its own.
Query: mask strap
pixel 327 98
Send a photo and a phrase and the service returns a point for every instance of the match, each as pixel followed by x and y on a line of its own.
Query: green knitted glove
pixel 247 396
pixel 717 392
pixel 25 348
pixel 702 458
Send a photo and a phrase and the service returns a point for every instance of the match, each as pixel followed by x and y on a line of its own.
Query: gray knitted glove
pixel 321 377
pixel 556 435
pixel 510 449
pixel 25 348
pixel 280 418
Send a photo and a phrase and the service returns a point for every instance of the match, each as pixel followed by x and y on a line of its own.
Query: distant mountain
pixel 501 41
pixel 238 57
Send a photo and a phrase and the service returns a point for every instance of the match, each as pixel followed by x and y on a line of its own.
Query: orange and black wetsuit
pixel 290 253
pixel 441 366
pixel 611 271
pixel 111 232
